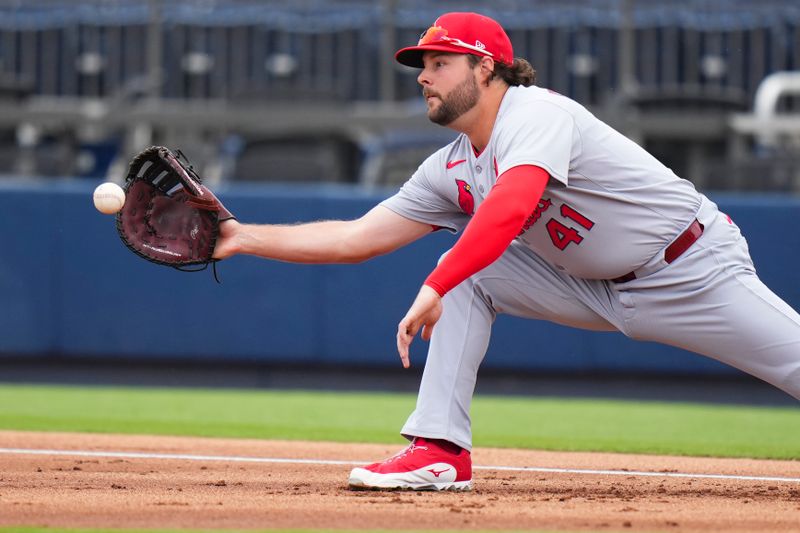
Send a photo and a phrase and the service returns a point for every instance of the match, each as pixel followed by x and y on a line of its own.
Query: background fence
pixel 72 291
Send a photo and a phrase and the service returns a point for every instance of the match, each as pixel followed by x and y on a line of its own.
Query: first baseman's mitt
pixel 169 217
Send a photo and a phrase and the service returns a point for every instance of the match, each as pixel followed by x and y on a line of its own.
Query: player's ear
pixel 486 70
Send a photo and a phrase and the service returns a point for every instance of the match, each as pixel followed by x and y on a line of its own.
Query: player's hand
pixel 423 314
pixel 228 239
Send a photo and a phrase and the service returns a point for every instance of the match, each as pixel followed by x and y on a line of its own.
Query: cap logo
pixel 438 34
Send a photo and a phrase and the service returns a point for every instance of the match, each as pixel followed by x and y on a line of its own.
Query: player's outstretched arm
pixel 378 232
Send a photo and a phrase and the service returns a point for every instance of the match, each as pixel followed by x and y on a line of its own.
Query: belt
pixel 674 250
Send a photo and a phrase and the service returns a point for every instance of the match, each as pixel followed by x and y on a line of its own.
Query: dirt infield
pixel 107 491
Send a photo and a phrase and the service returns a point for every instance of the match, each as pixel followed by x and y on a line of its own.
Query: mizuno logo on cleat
pixel 437 473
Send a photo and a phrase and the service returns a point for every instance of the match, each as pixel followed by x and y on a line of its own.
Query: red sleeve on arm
pixel 496 223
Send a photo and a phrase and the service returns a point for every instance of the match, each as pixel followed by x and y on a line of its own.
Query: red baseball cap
pixel 461 33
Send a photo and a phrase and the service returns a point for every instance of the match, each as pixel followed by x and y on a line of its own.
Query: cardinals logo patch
pixel 465 199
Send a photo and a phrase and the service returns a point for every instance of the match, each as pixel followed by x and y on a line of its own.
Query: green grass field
pixel 534 423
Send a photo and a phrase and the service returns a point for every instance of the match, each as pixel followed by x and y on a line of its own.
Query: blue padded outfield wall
pixel 70 289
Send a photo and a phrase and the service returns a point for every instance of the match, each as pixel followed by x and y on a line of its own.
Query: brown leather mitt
pixel 169 216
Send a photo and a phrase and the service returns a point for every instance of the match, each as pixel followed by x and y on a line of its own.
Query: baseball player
pixel 563 219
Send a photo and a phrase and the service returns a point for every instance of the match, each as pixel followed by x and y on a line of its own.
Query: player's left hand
pixel 169 216
pixel 423 314
pixel 227 241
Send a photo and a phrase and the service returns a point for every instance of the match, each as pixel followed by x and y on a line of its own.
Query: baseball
pixel 109 198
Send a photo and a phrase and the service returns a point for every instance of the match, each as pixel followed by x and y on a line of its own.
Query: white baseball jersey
pixel 608 208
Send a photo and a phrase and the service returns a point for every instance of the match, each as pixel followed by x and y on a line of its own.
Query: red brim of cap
pixel 411 56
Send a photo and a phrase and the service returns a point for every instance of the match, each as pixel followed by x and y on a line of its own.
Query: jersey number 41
pixel 561 234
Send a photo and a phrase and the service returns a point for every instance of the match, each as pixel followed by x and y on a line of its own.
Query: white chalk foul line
pixel 243 459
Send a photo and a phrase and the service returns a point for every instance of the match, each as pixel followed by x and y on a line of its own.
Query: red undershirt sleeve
pixel 496 223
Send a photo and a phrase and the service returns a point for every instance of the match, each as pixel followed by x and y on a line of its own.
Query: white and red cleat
pixel 425 465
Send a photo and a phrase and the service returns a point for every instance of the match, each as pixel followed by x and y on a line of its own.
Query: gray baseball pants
pixel 709 301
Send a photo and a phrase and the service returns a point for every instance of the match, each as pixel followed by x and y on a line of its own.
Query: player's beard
pixel 460 100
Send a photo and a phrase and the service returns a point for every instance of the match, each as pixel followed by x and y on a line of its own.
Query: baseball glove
pixel 169 216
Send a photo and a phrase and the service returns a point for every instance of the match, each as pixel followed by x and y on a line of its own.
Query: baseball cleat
pixel 423 465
